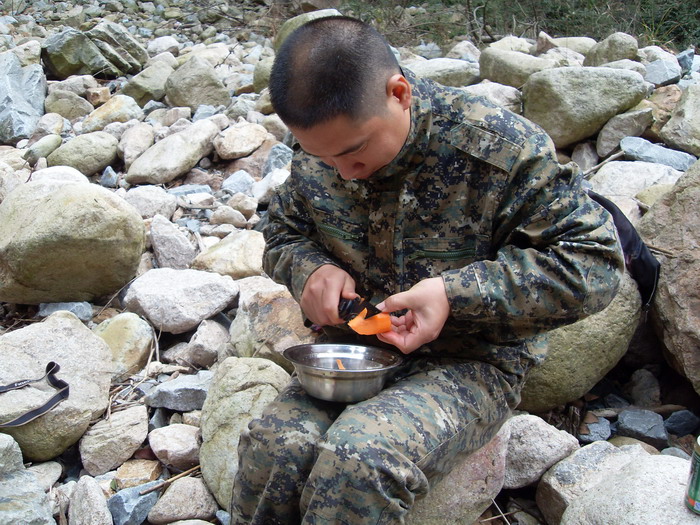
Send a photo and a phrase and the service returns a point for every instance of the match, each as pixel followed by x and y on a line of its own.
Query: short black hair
pixel 330 67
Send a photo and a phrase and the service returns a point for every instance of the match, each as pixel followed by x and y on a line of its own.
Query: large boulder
pixel 673 226
pixel 618 46
pixel 119 108
pixel 573 103
pixel 510 68
pixel 239 255
pixel 239 392
pixel 86 364
pixel 579 355
pixel 119 46
pixel 89 154
pixel 447 71
pixel 22 91
pixel 66 241
pixel 71 52
pixel 682 131
pixel 195 83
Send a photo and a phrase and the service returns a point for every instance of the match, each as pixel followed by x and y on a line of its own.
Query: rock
pixel 261 74
pixel 644 425
pixel 67 104
pixel 174 155
pixel 682 131
pixel 268 322
pixel 184 393
pixel 178 300
pixel 621 181
pixel 47 473
pixel 29 53
pixel 663 72
pixel 72 52
pixel 239 140
pixel 447 71
pixel 512 43
pixel 468 489
pixel 89 153
pixel 637 148
pixel 626 63
pixel 151 200
pixel 130 340
pixel 149 84
pixel 42 148
pixel 171 246
pixel 82 310
pixel 22 90
pixel 22 499
pixel 625 497
pixel 134 141
pixel 617 46
pixel 97 257
pixel 176 445
pixel 238 182
pixel 206 345
pixel 579 355
pixel 629 124
pixel 238 255
pixel 643 389
pixel 85 362
pixel 129 507
pixel 265 188
pixel 135 472
pixel 671 225
pixel 88 505
pixel 78 84
pixel 240 390
pixel 534 446
pixel 227 215
pixel 194 83
pixel 9 180
pixel 186 499
pixel 572 103
pixel 464 50
pixel 119 108
pixel 580 44
pixel 123 47
pixel 599 430
pixel 10 455
pixel 110 442
pixel 581 471
pixel 663 102
pixel 163 44
pixel 585 155
pixel 682 423
pixel 510 67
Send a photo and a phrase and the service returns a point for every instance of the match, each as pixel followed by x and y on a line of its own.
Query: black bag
pixel 640 262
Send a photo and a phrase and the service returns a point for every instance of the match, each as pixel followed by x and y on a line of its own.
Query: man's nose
pixel 347 168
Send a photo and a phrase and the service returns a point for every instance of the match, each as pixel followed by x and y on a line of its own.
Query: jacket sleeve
pixel 557 260
pixel 292 251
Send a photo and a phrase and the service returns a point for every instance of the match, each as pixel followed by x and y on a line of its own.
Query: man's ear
pixel 399 88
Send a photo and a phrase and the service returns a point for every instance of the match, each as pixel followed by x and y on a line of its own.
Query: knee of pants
pixel 263 440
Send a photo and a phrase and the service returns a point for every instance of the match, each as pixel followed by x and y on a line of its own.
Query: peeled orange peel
pixel 377 324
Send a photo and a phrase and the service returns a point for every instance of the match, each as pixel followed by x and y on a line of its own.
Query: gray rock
pixel 67 104
pixel 97 256
pixel 186 499
pixel 637 148
pixel 585 155
pixel 42 148
pixel 110 442
pixel 685 60
pixel 47 473
pixel 78 84
pixel 151 200
pixel 89 154
pixel 572 103
pixel 644 425
pixel 134 141
pixel 598 431
pixel 23 500
pixel 629 124
pixel 124 44
pixel 682 423
pixel 128 507
pixel 84 360
pixel 663 72
pixel 184 393
pixel 171 246
pixel 239 391
pixel 464 50
pixel 71 52
pixel 88 505
pixel 643 389
pixel 176 301
pixel 617 46
pixel 676 453
pixel 238 182
pixel 195 83
pixel 207 343
pixel 648 490
pixel 176 445
pixel 10 455
pixel 149 84
pixel 82 310
pixel 22 90
pixel 534 446
pixel 280 156
pixel 626 63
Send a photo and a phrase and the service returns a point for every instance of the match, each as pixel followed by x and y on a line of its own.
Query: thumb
pixel 394 302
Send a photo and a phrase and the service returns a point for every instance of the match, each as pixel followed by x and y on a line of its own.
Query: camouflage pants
pixel 317 462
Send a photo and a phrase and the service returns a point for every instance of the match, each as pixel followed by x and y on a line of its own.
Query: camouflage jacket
pixel 477 196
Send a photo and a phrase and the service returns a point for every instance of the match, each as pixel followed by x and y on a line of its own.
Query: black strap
pixel 61 394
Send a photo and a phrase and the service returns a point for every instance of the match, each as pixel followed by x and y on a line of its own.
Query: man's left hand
pixel 428 309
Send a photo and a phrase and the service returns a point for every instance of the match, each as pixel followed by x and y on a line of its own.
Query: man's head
pixel 337 85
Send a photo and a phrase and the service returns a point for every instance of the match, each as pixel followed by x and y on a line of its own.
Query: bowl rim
pixel 396 356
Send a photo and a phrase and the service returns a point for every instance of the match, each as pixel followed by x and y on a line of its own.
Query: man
pixel 443 208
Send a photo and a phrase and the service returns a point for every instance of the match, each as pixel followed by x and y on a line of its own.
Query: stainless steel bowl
pixel 367 369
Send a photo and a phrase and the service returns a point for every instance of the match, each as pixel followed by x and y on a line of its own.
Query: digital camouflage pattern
pixel 476 196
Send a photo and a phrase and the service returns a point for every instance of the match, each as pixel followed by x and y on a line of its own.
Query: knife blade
pixel 349 308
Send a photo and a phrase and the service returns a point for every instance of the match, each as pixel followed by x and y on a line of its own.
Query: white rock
pixel 88 505
pixel 47 473
pixel 134 141
pixel 238 255
pixel 151 200
pixel 172 247
pixel 239 140
pixel 186 499
pixel 176 445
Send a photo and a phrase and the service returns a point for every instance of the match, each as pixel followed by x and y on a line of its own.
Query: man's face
pixel 358 149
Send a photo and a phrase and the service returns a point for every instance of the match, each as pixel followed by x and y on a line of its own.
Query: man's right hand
pixel 322 293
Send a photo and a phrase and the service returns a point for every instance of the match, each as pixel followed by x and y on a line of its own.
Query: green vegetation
pixel 674 24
